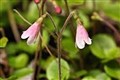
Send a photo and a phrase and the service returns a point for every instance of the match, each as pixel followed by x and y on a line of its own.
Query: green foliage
pixel 96 75
pixel 113 69
pixel 104 47
pixel 78 74
pixel 84 18
pixel 45 37
pixel 52 70
pixel 32 13
pixel 69 46
pixel 19 62
pixel 20 73
pixel 3 42
pixel 43 62
pixel 21 46
pixel 75 2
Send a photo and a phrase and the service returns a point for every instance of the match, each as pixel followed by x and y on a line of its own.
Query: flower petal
pixel 80 44
pixel 30 40
pixel 88 41
pixel 24 35
pixel 30 31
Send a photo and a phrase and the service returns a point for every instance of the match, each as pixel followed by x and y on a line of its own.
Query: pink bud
pixel 58 10
pixel 82 37
pixel 36 1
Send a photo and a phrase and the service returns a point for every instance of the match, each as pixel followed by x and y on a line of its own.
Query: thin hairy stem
pixel 66 21
pixel 59 56
pixel 22 17
pixel 53 22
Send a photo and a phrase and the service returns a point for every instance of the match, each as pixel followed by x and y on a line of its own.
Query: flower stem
pixel 39 48
pixel 67 20
pixel 53 23
pixel 22 17
pixel 59 56
pixel 59 44
pixel 71 20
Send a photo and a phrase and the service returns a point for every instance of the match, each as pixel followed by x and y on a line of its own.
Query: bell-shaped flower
pixel 82 37
pixel 33 31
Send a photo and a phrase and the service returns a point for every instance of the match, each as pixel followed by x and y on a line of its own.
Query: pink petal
pixel 82 37
pixel 30 31
pixel 88 41
pixel 80 44
pixel 79 40
pixel 30 40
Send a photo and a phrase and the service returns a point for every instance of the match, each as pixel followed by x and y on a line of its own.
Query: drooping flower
pixel 82 37
pixel 32 32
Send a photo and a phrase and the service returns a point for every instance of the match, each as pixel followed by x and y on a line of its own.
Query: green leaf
pixel 11 48
pixel 20 61
pixel 32 14
pixel 88 78
pixel 104 47
pixel 78 74
pixel 75 2
pixel 20 73
pixel 52 70
pixel 2 7
pixel 96 75
pixel 45 62
pixel 113 69
pixel 3 42
pixel 69 46
pixel 1 78
pixel 112 11
pixel 22 46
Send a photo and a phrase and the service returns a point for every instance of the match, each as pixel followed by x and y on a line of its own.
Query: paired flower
pixel 82 37
pixel 32 32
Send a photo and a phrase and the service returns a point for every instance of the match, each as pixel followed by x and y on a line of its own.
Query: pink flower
pixel 82 37
pixel 31 33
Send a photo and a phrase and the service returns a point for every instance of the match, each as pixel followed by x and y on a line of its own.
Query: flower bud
pixel 37 1
pixel 58 10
